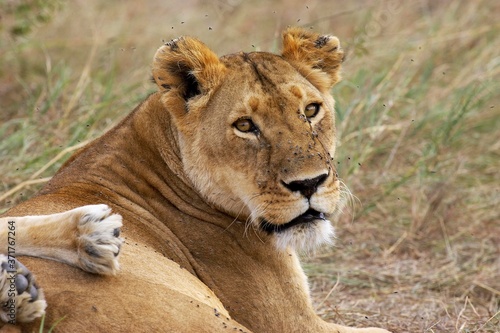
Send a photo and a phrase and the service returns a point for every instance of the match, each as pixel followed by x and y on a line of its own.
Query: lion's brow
pixel 263 79
pixel 268 86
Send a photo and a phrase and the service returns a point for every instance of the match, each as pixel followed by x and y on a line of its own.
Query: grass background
pixel 418 113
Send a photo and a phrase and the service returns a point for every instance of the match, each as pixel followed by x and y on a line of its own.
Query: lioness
pixel 220 177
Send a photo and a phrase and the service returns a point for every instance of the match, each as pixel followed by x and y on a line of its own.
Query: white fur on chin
pixel 307 237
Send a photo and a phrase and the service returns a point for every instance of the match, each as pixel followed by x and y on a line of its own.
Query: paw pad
pixel 21 298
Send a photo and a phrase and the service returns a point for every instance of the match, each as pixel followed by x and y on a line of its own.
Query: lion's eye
pixel 245 125
pixel 311 110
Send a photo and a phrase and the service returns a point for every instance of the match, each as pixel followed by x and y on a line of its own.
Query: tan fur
pixel 196 195
pixel 68 237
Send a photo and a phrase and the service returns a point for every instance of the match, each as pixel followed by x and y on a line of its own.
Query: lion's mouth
pixel 309 216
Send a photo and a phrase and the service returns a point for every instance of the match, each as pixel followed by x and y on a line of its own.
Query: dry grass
pixel 418 120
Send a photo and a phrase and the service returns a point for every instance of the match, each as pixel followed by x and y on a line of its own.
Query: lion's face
pixel 258 142
pixel 263 149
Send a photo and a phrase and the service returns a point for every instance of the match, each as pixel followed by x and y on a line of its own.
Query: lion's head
pixel 256 131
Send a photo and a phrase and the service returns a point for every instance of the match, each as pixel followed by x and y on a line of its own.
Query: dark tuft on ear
pixel 187 66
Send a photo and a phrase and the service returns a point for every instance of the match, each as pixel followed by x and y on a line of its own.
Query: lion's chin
pixel 305 237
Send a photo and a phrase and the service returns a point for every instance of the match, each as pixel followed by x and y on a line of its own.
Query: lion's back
pixel 150 294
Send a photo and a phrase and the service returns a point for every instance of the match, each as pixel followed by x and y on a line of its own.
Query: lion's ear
pixel 188 66
pixel 318 58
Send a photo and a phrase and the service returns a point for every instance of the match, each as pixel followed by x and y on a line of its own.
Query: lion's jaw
pixel 257 132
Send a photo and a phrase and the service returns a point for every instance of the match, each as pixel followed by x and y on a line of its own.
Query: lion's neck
pixel 230 257
pixel 136 169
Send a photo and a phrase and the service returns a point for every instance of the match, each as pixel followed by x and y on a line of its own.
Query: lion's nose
pixel 307 187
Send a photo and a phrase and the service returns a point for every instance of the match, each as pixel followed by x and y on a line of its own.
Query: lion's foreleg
pixel 86 237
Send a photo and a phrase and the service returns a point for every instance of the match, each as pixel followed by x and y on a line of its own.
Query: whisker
pixel 240 211
pixel 347 198
pixel 236 218
pixel 258 211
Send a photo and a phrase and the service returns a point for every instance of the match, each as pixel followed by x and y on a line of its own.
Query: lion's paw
pixel 99 239
pixel 20 297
